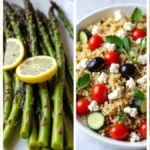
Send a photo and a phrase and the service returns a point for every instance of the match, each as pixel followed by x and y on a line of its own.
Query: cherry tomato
pixel 138 33
pixel 143 129
pixel 82 107
pixel 119 132
pixel 99 93
pixel 111 57
pixel 94 42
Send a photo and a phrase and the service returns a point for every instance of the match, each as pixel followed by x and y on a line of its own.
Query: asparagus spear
pixel 44 36
pixel 32 143
pixel 14 114
pixel 27 111
pixel 44 135
pixel 31 28
pixel 64 18
pixel 44 131
pixel 8 97
pixel 68 133
pixel 57 129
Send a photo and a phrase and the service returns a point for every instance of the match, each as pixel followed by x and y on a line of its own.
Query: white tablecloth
pixel 84 7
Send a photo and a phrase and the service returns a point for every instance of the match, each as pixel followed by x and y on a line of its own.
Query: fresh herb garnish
pixel 122 116
pixel 114 39
pixel 83 81
pixel 136 15
pixel 142 46
pixel 138 94
pixel 123 45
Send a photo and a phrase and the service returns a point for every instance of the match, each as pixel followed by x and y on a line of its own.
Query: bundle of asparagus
pixel 39 35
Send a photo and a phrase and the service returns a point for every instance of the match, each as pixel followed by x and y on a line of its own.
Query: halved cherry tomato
pixel 99 93
pixel 143 129
pixel 94 42
pixel 119 132
pixel 138 33
pixel 111 57
pixel 82 107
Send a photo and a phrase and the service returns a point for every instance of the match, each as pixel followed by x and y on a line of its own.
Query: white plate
pixel 90 19
pixel 67 5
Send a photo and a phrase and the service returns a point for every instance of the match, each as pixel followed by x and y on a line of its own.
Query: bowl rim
pixel 107 140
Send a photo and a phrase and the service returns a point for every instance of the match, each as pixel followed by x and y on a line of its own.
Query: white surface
pixel 44 5
pixel 84 8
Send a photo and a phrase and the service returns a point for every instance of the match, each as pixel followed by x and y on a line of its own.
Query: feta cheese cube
pixel 102 78
pixel 142 80
pixel 131 83
pixel 83 64
pixel 110 47
pixel 115 94
pixel 118 15
pixel 138 41
pixel 128 26
pixel 134 137
pixel 93 106
pixel 142 59
pixel 121 33
pixel 95 29
pixel 114 68
pixel 131 111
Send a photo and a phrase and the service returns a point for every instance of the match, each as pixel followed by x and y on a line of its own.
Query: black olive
pixel 128 71
pixel 96 64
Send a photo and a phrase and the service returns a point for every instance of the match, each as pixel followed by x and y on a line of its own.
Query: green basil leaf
pixel 139 94
pixel 126 43
pixel 115 40
pixel 122 116
pixel 83 81
pixel 143 43
pixel 136 15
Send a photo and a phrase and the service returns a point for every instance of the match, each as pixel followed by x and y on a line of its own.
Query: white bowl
pixel 90 19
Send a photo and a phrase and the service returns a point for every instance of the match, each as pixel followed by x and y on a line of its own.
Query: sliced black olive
pixel 128 71
pixel 96 64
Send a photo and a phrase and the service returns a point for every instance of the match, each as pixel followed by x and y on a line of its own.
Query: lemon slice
pixel 14 53
pixel 37 69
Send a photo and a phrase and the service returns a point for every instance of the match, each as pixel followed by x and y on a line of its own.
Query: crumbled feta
pixel 83 64
pixel 128 26
pixel 131 111
pixel 121 33
pixel 102 78
pixel 115 94
pixel 138 41
pixel 118 15
pixel 134 137
pixel 131 83
pixel 93 106
pixel 134 51
pixel 114 68
pixel 142 80
pixel 142 59
pixel 95 29
pixel 110 47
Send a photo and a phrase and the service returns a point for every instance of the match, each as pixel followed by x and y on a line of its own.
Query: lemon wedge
pixel 37 69
pixel 14 53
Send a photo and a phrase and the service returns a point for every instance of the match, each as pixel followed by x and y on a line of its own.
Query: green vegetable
pixel 138 94
pixel 64 18
pixel 83 81
pixel 58 125
pixel 136 15
pixel 122 116
pixel 95 121
pixel 140 104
